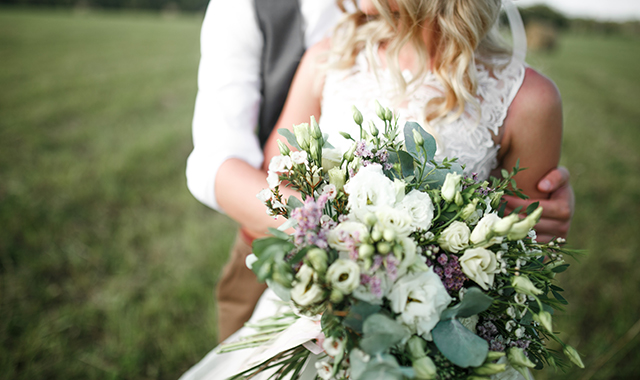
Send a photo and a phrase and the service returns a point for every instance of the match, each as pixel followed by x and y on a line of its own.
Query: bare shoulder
pixel 538 95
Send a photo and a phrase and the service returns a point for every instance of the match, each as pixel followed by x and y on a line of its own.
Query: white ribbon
pixel 517 30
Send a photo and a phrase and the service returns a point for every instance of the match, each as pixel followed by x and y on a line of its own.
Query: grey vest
pixel 281 24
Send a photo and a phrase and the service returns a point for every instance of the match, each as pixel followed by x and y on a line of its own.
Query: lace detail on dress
pixel 469 137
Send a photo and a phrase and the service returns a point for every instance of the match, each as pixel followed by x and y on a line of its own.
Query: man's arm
pixel 228 100
pixel 557 209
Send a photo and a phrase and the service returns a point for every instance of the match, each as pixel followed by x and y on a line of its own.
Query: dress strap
pixel 517 30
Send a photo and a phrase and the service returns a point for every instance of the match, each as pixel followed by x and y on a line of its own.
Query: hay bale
pixel 541 36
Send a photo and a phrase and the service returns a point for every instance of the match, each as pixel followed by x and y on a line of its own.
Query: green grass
pixel 107 264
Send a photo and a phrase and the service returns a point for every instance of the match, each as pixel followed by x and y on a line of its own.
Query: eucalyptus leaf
pixel 381 333
pixel 406 162
pixel 358 313
pixel 382 367
pixel 282 292
pixel 462 347
pixel 429 144
pixel 278 233
pixel 474 302
pixel 291 138
pixel 293 203
pixel 289 223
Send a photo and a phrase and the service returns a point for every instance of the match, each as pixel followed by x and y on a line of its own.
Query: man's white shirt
pixel 228 101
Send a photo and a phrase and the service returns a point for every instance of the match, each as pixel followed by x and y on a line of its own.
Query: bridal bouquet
pixel 411 268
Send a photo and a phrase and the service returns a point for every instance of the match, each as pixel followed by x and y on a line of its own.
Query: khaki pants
pixel 237 291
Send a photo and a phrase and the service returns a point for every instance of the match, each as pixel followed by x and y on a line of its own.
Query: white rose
pixel 339 237
pixel 273 180
pixel 419 298
pixel 344 275
pixel 482 231
pixel 420 207
pixel 480 265
pixel 368 190
pixel 280 164
pixel 330 159
pixel 396 220
pixel 455 238
pixel 305 291
pixel 451 186
pixel 299 158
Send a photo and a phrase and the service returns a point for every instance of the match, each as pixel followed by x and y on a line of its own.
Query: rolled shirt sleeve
pixel 228 100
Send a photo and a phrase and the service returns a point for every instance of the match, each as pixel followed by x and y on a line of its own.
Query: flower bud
pixel 302 135
pixel 373 129
pixel 337 178
pixel 520 230
pixel 284 149
pixel 503 226
pixel 424 368
pixel 350 154
pixel 384 247
pixel 458 199
pixel 416 346
pixel 370 219
pixel 544 318
pixel 450 186
pixel 316 133
pixel 314 149
pixel 388 115
pixel 336 296
pixel 318 259
pixel 389 234
pixel 489 369
pixel 417 137
pixel 573 355
pixel 357 116
pixel 496 197
pixel 494 355
pixel 380 111
pixel 346 135
pixel 469 209
pixel 523 285
pixel 517 358
pixel 376 235
pixel 366 251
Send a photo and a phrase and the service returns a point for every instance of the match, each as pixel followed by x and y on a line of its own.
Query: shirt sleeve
pixel 228 100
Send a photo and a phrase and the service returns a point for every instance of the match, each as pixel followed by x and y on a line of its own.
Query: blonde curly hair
pixel 463 33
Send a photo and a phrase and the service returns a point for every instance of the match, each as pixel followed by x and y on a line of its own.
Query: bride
pixel 437 62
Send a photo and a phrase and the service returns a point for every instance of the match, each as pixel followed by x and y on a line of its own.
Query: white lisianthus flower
pixel 324 370
pixel 330 159
pixel 523 285
pixel 410 259
pixel 482 231
pixel 264 195
pixel 339 237
pixel 344 275
pixel 333 347
pixel 394 219
pixel 280 164
pixel 480 265
pixel 273 180
pixel 455 238
pixel 305 290
pixel 451 186
pixel 419 298
pixel 420 207
pixel 299 158
pixel 368 190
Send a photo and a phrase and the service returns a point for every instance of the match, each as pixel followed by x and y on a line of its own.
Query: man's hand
pixel 557 210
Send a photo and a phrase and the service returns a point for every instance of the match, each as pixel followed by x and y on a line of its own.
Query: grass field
pixel 107 264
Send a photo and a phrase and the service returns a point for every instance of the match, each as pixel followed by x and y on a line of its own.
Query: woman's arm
pixel 237 182
pixel 533 132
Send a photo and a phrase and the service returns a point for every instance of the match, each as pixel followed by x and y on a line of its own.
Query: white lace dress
pixel 470 138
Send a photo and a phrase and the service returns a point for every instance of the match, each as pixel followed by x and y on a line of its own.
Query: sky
pixel 618 10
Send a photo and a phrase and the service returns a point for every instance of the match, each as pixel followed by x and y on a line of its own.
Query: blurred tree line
pixel 165 5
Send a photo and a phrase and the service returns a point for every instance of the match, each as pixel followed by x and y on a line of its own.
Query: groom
pixel 250 51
